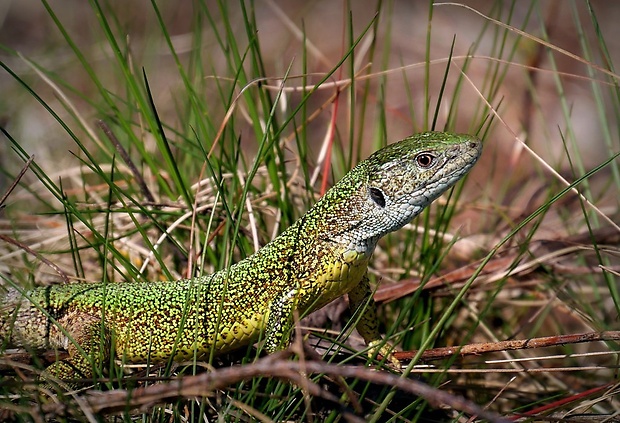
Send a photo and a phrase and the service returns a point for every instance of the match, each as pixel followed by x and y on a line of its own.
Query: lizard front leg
pixel 280 322
pixel 367 325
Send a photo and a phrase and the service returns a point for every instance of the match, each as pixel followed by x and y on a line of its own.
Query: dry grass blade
pixel 510 264
pixel 57 269
pixel 16 181
pixel 132 167
pixel 531 37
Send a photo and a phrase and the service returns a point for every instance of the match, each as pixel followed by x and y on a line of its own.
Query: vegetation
pixel 155 140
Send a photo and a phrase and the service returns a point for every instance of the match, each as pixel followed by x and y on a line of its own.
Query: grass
pixel 221 123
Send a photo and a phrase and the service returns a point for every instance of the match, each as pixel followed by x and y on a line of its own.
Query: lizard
pixel 320 257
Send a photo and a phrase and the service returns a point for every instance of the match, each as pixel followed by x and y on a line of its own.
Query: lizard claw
pixel 384 349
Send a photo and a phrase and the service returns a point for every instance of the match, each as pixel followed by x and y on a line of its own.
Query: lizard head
pixel 392 186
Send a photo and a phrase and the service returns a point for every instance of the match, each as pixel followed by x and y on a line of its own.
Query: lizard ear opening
pixel 377 196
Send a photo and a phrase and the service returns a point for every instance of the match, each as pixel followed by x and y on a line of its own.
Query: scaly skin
pixel 319 258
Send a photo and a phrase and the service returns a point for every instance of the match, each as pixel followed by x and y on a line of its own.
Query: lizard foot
pixel 384 349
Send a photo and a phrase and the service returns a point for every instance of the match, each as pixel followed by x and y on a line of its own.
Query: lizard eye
pixel 377 196
pixel 425 160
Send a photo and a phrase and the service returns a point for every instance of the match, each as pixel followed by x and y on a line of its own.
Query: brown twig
pixel 486 347
pixel 275 365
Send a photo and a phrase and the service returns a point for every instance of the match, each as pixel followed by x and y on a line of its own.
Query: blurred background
pixel 538 102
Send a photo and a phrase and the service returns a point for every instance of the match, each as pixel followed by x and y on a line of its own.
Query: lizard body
pixel 321 257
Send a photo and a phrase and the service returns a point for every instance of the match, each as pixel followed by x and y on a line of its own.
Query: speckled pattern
pixel 321 257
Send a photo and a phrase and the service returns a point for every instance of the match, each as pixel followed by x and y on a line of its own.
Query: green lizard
pixel 322 256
